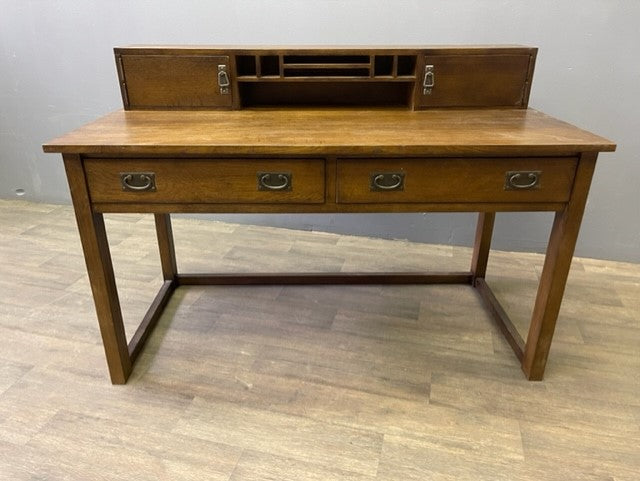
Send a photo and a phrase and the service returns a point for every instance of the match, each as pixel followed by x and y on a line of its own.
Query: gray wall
pixel 57 72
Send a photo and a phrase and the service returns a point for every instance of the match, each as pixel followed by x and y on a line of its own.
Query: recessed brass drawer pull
pixel 522 180
pixel 274 180
pixel 138 181
pixel 386 181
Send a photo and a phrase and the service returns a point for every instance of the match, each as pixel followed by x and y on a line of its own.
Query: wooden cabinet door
pixel 470 80
pixel 174 81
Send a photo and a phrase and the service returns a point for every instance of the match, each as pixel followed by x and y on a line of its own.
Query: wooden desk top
pixel 329 131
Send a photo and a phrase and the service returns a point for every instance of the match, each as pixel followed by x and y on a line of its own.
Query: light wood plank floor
pixel 306 383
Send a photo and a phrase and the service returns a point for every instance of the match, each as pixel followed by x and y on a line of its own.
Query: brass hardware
pixel 429 80
pixel 223 79
pixel 138 181
pixel 522 180
pixel 386 181
pixel 274 180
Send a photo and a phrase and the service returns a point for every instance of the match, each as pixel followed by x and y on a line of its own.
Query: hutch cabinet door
pixel 495 80
pixel 179 81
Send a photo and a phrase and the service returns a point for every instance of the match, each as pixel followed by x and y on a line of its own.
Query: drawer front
pixel 250 181
pixel 175 81
pixel 455 180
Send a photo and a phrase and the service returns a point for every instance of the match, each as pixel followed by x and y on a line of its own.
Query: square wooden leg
pixel 100 269
pixel 166 246
pixel 482 244
pixel 557 262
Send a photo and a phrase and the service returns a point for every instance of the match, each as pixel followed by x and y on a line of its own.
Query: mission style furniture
pixel 327 130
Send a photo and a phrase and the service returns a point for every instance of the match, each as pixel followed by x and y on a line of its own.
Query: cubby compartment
pixel 383 65
pixel 325 72
pixel 326 59
pixel 303 67
pixel 406 65
pixel 246 65
pixel 269 66
pixel 326 66
pixel 318 93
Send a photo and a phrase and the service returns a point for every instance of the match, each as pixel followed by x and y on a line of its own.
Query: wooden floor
pixel 306 383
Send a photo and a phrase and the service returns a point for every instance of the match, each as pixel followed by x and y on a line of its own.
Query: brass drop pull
pixel 274 180
pixel 223 79
pixel 138 181
pixel 522 180
pixel 429 80
pixel 386 181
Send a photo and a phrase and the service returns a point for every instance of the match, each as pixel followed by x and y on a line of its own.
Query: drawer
pixel 206 180
pixel 455 180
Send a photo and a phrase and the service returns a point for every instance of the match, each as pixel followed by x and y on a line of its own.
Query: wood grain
pixel 320 278
pixel 283 208
pixel 556 269
pixel 454 180
pixel 164 234
pixel 477 81
pixel 502 319
pixel 482 244
pixel 330 131
pixel 166 81
pixel 319 49
pixel 169 78
pixel 207 180
pixel 100 269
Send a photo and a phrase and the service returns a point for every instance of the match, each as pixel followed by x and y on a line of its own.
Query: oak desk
pixel 329 160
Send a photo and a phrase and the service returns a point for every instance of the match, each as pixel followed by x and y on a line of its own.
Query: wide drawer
pixel 206 180
pixel 455 180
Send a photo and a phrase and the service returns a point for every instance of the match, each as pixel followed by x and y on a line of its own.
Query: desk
pixel 328 160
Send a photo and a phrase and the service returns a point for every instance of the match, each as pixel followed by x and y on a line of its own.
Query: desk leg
pixel 557 262
pixel 100 269
pixel 166 246
pixel 484 231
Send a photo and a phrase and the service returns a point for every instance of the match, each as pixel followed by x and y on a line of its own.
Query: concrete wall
pixel 57 72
